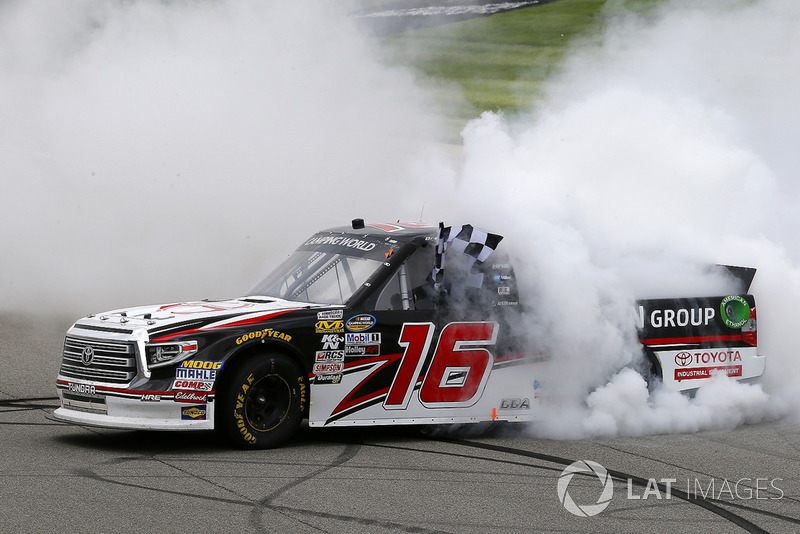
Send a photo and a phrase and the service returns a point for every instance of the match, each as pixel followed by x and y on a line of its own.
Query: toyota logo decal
pixel 87 355
pixel 683 359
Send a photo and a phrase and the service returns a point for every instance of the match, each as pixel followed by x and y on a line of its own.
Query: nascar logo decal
pixel 360 323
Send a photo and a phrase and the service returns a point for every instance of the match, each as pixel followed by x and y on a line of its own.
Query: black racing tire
pixel 262 401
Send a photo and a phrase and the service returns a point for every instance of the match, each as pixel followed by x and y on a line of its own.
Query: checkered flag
pixel 478 244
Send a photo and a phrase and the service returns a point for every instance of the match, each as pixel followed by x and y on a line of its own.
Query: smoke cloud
pixel 663 149
pixel 155 151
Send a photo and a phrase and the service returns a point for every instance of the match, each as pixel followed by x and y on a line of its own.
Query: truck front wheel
pixel 262 402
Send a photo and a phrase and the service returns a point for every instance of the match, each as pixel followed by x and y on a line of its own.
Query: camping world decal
pixel 360 323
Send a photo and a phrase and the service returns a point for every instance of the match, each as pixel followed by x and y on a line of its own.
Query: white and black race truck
pixel 378 324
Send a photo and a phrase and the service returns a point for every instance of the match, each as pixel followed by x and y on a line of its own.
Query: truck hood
pixel 161 322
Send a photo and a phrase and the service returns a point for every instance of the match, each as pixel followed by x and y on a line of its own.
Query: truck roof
pixel 405 231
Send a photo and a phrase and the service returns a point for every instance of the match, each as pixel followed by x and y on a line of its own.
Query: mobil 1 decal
pixel 450 372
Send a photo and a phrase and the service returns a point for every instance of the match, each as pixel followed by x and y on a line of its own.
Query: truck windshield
pixel 317 276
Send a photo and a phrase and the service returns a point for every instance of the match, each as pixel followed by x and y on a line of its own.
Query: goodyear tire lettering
pixel 262 400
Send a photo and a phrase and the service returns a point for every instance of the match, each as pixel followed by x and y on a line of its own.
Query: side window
pixel 390 297
pixel 410 288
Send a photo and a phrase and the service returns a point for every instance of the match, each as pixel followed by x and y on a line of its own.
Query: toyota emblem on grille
pixel 87 355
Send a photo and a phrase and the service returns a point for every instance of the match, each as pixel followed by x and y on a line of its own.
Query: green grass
pixel 502 62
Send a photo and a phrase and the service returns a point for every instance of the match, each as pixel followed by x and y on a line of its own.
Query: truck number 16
pixel 458 371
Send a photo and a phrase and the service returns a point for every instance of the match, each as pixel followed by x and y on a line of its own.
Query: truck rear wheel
pixel 262 402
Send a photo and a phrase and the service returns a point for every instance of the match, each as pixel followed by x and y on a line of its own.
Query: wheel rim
pixel 267 403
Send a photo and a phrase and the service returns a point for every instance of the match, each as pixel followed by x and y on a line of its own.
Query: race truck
pixel 379 324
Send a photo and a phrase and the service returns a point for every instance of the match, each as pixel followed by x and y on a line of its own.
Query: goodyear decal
pixel 360 323
pixel 262 335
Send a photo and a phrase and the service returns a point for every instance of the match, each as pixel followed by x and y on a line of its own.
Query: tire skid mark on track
pixel 712 505
pixel 26 405
pixel 265 503
pixel 31 403
pixel 709 475
pixel 88 473
pixel 349 452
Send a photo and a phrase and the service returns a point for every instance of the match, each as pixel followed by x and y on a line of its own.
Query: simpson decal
pixel 360 323
pixel 327 368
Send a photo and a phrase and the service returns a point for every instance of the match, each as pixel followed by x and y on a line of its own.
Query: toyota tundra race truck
pixel 379 324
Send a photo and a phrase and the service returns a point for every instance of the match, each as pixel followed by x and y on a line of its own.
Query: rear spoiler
pixel 743 275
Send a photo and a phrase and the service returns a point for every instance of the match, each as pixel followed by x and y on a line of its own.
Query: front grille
pixel 111 361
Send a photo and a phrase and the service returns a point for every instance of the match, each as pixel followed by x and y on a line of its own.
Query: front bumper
pixel 113 407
